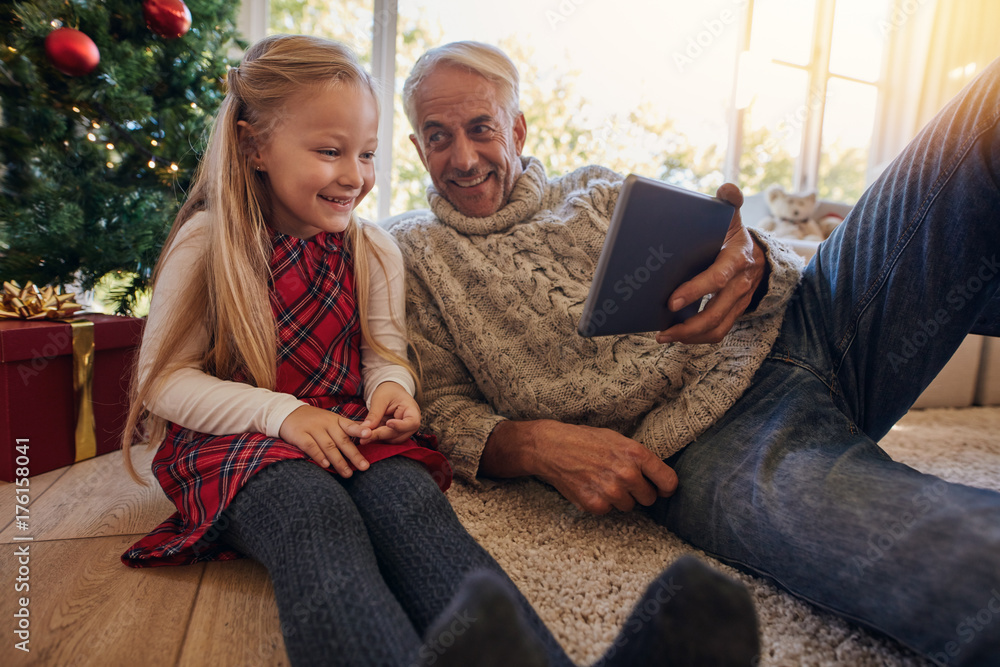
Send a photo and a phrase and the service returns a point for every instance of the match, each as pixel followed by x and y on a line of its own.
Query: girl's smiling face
pixel 319 160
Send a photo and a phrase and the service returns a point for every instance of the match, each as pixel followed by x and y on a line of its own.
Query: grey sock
pixel 482 627
pixel 691 616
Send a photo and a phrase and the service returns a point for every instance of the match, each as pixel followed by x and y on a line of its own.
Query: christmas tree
pixel 105 107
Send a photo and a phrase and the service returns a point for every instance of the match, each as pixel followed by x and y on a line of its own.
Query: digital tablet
pixel 660 237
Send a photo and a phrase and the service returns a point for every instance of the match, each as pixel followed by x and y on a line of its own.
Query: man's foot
pixel 691 616
pixel 481 627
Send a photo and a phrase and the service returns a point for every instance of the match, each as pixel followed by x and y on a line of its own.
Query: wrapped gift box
pixel 37 399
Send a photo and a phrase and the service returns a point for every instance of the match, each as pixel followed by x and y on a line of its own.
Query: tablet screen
pixel 660 236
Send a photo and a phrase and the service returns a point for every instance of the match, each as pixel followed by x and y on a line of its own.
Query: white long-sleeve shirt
pixel 196 400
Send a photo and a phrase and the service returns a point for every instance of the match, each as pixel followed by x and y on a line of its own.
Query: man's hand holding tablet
pixel 737 278
pixel 665 242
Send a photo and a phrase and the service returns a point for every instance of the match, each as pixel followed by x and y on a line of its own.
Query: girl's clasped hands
pixel 329 438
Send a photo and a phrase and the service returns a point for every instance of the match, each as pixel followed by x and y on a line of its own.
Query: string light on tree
pixel 100 163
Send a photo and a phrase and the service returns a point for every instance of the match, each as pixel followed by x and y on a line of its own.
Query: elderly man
pixel 767 405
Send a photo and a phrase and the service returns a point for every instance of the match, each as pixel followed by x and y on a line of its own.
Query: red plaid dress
pixel 319 361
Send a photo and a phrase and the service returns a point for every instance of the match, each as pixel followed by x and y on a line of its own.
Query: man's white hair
pixel 485 60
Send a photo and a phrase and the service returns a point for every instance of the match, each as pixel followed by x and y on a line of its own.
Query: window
pixel 610 88
pixel 810 80
pixel 754 91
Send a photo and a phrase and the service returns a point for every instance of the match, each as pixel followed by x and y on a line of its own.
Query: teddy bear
pixel 792 216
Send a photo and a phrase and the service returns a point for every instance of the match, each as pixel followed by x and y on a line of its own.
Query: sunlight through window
pixel 654 87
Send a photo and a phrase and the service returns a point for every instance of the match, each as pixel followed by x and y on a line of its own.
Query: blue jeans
pixel 791 484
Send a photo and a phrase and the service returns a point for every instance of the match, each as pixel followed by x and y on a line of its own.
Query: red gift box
pixel 37 402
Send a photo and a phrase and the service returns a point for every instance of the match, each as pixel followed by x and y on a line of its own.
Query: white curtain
pixel 963 43
pixel 935 48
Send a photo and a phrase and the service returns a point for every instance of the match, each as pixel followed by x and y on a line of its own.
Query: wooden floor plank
pixel 96 498
pixel 36 487
pixel 235 619
pixel 86 608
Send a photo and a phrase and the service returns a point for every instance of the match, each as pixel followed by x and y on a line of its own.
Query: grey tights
pixel 362 567
pixel 377 570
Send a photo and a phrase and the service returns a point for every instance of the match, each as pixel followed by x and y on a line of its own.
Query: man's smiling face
pixel 467 140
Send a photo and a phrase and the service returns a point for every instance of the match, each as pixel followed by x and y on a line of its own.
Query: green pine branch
pixel 94 168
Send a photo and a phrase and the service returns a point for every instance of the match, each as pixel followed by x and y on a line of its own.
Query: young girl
pixel 273 373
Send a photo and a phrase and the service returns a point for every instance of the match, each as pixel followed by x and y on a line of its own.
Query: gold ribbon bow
pixel 31 303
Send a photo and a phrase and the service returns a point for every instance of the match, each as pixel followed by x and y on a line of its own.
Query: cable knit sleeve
pixel 785 271
pixel 453 406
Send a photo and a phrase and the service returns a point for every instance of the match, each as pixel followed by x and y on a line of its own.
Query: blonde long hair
pixel 228 290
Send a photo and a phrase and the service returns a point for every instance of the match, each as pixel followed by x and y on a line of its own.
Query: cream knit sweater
pixel 493 306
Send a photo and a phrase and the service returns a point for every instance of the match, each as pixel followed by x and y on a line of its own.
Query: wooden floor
pixel 86 608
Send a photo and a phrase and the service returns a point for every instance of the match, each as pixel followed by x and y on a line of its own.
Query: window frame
pixel 808 162
pixel 253 23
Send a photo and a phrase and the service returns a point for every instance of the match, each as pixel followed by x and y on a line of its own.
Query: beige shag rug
pixel 584 573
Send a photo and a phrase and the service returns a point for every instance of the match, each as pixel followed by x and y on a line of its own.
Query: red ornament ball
pixel 72 52
pixel 167 18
